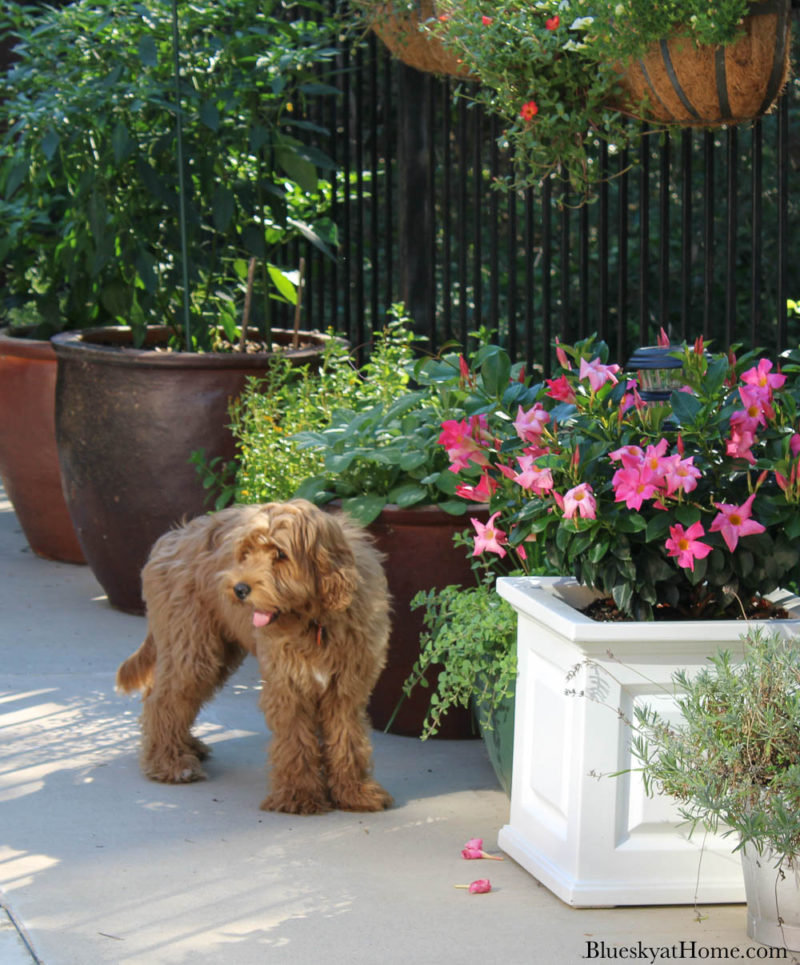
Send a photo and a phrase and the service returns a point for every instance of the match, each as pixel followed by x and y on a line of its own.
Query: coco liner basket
pixel 705 86
pixel 414 47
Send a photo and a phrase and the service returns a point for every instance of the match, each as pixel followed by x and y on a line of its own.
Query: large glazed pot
pixel 595 839
pixel 127 421
pixel 28 455
pixel 420 555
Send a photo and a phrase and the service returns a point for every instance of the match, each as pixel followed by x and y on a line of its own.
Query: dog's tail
pixel 136 673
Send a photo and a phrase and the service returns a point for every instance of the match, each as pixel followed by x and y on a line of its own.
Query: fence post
pixel 415 200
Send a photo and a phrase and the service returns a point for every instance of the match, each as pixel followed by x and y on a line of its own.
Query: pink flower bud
pixel 480 887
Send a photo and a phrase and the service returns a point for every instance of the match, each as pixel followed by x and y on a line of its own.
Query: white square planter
pixel 599 841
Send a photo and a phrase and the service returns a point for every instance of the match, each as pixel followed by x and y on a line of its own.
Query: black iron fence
pixel 701 235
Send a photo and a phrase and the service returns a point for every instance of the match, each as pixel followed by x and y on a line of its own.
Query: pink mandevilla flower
pixel 580 501
pixel 532 477
pixel 480 887
pixel 530 425
pixel 561 355
pixel 760 376
pixel 680 474
pixel 740 443
pixel 686 545
pixel 488 536
pixel 464 440
pixel 597 373
pixel 736 521
pixel 633 486
pixel 560 389
pixel 629 456
pixel 756 401
pixel 480 493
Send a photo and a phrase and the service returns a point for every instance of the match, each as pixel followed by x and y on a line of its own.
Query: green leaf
pixel 409 494
pixel 412 460
pixel 301 171
pixel 209 115
pixel 315 490
pixel 685 407
pixel 623 594
pixel 657 527
pixel 18 174
pixel 455 507
pixel 148 53
pixel 50 143
pixel 364 508
pixel 495 367
pixel 283 283
pixel 223 206
pixel 121 143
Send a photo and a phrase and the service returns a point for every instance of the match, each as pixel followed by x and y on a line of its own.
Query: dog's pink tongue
pixel 261 619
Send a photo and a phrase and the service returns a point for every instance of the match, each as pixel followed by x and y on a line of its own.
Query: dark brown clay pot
pixel 127 421
pixel 420 555
pixel 28 455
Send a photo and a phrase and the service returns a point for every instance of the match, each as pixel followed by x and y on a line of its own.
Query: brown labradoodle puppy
pixel 305 592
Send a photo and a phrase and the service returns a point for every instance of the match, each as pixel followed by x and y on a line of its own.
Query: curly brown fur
pixel 305 592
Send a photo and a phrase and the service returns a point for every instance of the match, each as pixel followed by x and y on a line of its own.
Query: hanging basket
pixel 706 86
pixel 413 46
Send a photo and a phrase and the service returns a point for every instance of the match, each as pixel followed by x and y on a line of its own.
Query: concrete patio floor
pixel 99 865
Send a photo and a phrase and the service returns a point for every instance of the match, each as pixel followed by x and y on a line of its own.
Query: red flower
pixel 487 21
pixel 529 110
pixel 552 22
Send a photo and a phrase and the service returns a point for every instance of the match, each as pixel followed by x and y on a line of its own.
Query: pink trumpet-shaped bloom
pixel 560 389
pixel 580 501
pixel 464 441
pixel 480 887
pixel 680 474
pixel 488 536
pixel 532 477
pixel 686 545
pixel 736 521
pixel 530 424
pixel 634 486
pixel 597 373
pixel 760 376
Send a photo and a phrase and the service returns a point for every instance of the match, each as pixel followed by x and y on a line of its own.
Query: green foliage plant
pixel 470 640
pixel 733 762
pixel 549 70
pixel 686 509
pixel 267 419
pixel 387 451
pixel 89 199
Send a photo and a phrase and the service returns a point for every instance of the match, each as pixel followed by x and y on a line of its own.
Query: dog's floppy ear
pixel 329 548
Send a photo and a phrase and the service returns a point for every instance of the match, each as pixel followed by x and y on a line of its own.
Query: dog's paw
pixel 183 770
pixel 196 746
pixel 367 796
pixel 294 802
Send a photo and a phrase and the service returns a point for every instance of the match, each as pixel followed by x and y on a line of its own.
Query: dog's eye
pixel 280 555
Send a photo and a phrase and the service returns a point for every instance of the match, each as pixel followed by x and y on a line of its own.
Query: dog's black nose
pixel 242 590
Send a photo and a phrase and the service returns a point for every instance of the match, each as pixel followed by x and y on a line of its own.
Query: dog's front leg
pixel 348 756
pixel 296 782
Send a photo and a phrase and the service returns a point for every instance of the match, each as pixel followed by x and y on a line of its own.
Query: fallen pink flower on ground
pixel 479 887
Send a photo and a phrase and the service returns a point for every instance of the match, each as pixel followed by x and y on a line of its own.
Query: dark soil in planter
pixel 606 611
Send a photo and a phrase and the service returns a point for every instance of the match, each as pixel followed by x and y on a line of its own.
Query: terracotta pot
pixel 127 421
pixel 420 555
pixel 28 455
pixel 703 86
